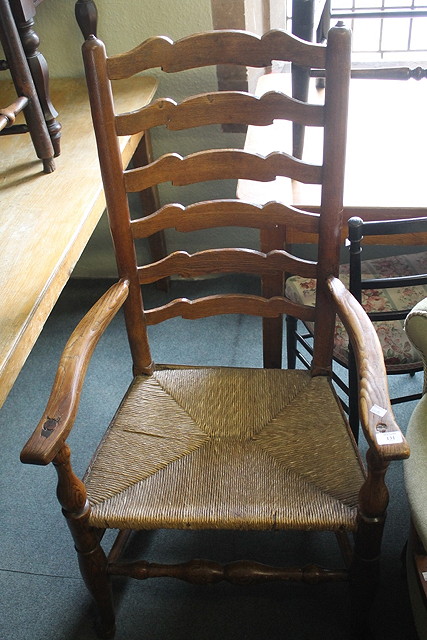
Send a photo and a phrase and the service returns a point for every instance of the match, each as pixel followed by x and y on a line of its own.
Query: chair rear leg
pixel 92 559
pixel 353 395
pixel 364 579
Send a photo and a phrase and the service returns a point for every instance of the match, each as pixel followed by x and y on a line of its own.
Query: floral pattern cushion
pixel 399 353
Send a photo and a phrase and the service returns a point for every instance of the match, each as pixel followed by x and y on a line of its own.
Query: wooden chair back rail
pixel 395 282
pixel 225 107
pixel 8 114
pixel 225 261
pixel 239 303
pixel 385 73
pixel 220 164
pixel 295 236
pixel 371 214
pixel 224 213
pixel 386 316
pixel 374 214
pixel 393 227
pixel 212 48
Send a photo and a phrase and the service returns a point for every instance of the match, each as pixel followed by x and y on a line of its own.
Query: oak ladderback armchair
pixel 215 447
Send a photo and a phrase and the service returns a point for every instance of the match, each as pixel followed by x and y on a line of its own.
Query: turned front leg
pixel 72 496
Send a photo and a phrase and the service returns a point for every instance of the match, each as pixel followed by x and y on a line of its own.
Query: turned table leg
pixel 25 86
pixel 24 12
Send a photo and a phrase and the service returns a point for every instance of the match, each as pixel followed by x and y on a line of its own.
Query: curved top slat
pixel 220 107
pixel 220 164
pixel 216 47
pixel 224 213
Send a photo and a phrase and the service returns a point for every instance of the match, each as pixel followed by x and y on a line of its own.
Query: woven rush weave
pixel 226 448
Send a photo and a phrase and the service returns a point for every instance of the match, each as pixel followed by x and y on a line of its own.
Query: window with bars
pixel 385 30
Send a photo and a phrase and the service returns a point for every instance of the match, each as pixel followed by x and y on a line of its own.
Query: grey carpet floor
pixel 41 593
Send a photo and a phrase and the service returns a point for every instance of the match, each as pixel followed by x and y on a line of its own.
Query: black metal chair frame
pixel 358 229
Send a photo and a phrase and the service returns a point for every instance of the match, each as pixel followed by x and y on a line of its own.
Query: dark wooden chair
pixel 310 21
pixel 387 287
pixel 24 12
pixel 202 447
pixel 17 63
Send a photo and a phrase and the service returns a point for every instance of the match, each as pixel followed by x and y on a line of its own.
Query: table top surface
pixel 47 219
pixel 386 147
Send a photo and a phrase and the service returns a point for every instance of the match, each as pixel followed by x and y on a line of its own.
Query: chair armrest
pixel 416 329
pixel 376 415
pixel 57 421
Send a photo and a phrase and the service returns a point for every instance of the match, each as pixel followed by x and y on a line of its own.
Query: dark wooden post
pixel 24 12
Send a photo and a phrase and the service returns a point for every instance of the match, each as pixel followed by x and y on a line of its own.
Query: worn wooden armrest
pixel 63 403
pixel 376 415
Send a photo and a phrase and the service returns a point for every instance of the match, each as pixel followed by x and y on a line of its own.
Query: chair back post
pixel 338 57
pixel 355 236
pixel 102 108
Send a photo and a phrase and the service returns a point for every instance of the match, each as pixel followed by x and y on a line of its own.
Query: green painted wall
pixel 122 24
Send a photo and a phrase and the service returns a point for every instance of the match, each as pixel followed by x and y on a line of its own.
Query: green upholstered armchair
pixel 416 480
